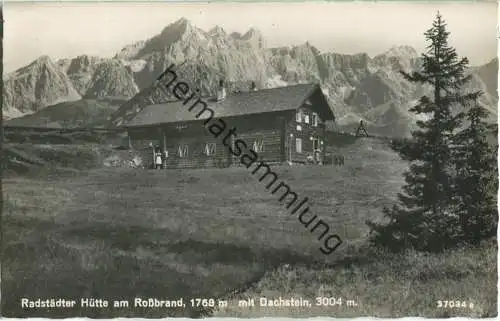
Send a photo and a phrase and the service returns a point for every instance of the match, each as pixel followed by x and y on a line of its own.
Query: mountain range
pixel 357 86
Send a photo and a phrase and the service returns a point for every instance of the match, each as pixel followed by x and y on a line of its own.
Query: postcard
pixel 249 160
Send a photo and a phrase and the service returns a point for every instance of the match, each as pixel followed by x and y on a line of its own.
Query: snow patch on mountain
pixel 136 65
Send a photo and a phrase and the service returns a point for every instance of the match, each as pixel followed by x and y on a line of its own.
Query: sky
pixel 66 30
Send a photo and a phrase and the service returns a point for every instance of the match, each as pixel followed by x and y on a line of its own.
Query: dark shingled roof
pixel 244 103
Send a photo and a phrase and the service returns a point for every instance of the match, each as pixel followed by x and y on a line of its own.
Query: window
pixel 299 128
pixel 314 120
pixel 298 145
pixel 182 150
pixel 298 116
pixel 209 149
pixel 306 119
pixel 258 145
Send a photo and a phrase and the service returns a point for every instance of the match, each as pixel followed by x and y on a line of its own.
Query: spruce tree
pixel 477 177
pixel 423 217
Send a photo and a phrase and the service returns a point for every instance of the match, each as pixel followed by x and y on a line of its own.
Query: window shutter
pixel 315 120
pixel 210 149
pixel 258 145
pixel 298 145
pixel 182 150
pixel 298 116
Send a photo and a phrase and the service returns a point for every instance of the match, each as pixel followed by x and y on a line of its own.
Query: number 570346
pixel 454 304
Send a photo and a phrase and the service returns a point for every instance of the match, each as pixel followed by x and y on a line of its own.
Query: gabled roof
pixel 238 104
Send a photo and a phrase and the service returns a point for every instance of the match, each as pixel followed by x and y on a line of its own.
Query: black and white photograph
pixel 249 160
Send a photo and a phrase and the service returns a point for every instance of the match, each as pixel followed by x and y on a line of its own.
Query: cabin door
pixel 315 144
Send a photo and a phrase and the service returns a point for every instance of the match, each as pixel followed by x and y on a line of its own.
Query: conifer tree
pixel 477 177
pixel 423 217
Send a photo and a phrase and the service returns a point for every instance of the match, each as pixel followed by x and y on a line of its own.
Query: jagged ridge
pixel 356 85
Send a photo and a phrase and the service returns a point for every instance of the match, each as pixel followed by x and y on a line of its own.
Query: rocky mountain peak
pixel 111 79
pixel 399 58
pixel 355 84
pixel 217 31
pixel 253 37
pixel 402 51
pixel 37 85
pixel 42 65
pixel 82 63
pixel 180 31
pixel 252 33
pixel 80 70
pixel 42 61
pixel 489 75
pixel 181 23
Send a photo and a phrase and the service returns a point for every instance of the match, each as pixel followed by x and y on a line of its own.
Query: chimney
pixel 253 87
pixel 221 91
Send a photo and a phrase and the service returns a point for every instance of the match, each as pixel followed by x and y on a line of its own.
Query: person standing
pixel 158 159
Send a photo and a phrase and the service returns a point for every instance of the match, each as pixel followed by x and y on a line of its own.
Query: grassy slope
pixel 384 285
pixel 33 152
pixel 81 113
pixel 118 234
pixel 40 160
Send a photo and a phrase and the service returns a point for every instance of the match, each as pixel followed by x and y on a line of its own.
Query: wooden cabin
pixel 285 124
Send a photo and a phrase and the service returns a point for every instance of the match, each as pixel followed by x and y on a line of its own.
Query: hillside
pixel 71 114
pixel 355 84
pixel 216 233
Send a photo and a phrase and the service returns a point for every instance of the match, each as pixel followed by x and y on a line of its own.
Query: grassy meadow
pixel 119 233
